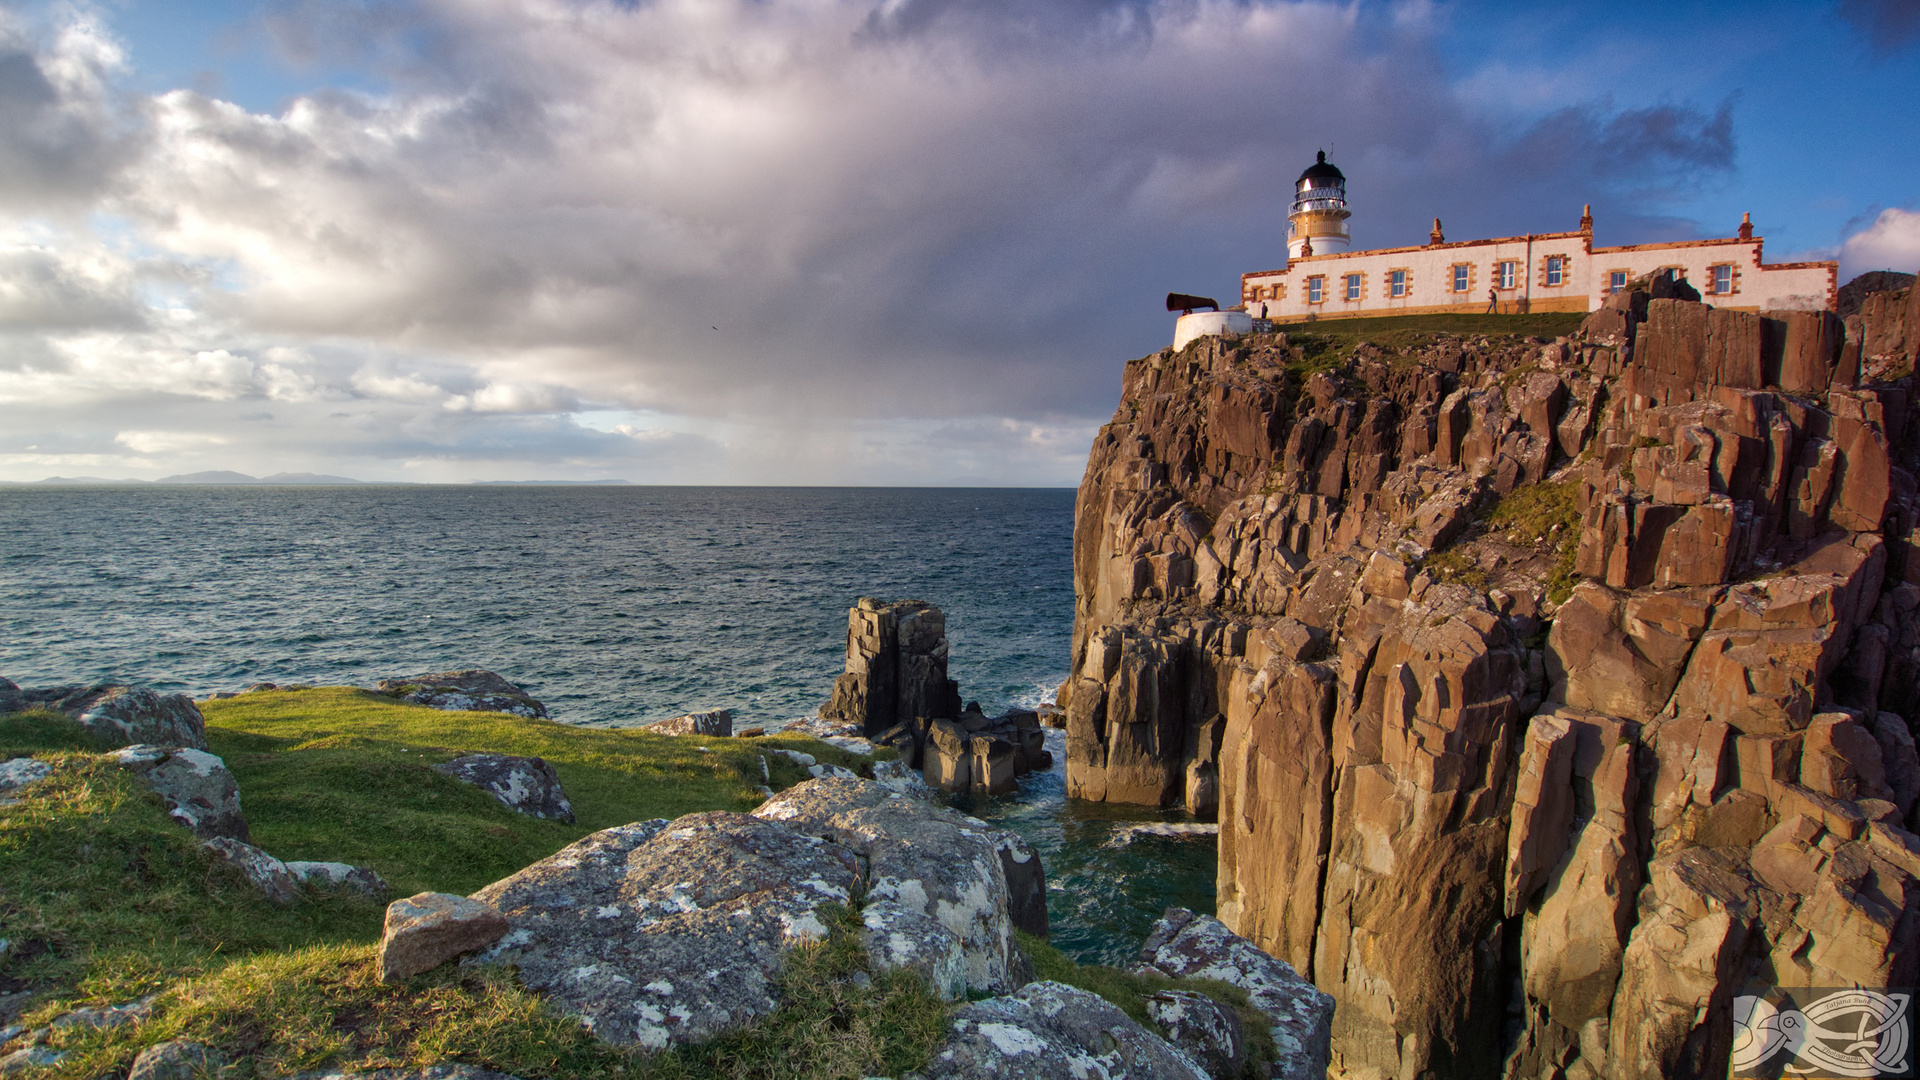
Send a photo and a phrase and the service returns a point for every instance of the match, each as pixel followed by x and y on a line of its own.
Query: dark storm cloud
pixel 1888 25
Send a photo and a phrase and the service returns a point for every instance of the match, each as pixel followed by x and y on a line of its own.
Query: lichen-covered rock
pixel 927 859
pixel 898 938
pixel 126 715
pixel 199 790
pixel 338 875
pixel 1049 1031
pixel 1187 945
pixel 471 690
pixel 1205 1030
pixel 175 1060
pixel 428 929
pixel 658 934
pixel 714 722
pixel 18 773
pixel 527 785
pixel 265 872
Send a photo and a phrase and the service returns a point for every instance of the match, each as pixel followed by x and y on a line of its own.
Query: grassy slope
pixel 107 900
pixel 342 774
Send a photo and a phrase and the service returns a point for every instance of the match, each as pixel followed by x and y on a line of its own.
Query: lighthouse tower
pixel 1319 212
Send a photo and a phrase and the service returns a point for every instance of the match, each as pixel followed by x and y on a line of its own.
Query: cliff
pixel 1547 691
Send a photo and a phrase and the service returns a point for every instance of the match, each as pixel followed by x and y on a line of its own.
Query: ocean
pixel 613 605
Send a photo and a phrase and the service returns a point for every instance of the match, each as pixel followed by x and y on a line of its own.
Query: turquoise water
pixel 615 606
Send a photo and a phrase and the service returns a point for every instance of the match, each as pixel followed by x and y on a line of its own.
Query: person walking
pixel 1493 301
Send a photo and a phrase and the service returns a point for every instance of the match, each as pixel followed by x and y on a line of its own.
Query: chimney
pixel 1436 237
pixel 1746 226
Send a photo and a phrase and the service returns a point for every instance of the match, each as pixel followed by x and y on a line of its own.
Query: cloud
pixel 843 240
pixel 64 133
pixel 167 442
pixel 1891 242
pixel 1889 25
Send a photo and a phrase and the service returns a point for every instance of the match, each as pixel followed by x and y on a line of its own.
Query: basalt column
pixel 896 667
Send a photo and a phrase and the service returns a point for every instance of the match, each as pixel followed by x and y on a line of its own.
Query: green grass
pixel 343 775
pixel 1329 345
pixel 1407 331
pixel 1547 515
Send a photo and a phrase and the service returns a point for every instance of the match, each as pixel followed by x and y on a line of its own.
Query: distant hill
pixel 76 481
pixel 222 476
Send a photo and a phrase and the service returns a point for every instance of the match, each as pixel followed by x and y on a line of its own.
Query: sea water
pixel 613 605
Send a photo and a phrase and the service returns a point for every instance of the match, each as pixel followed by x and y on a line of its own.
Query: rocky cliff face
pixel 1546 692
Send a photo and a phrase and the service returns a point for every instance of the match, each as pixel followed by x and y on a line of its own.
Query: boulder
pixel 338 875
pixel 199 790
pixel 262 870
pixel 715 722
pixel 471 690
pixel 175 1060
pixel 1050 1031
pixel 428 929
pixel 927 859
pixel 11 699
pixel 18 773
pixel 527 785
pixel 1201 1028
pixel 1187 945
pixel 658 933
pixel 126 715
pixel 899 938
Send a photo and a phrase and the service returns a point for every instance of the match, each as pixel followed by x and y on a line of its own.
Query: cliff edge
pixel 1549 693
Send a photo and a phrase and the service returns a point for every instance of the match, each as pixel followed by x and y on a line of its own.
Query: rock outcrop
pixel 896 667
pixel 1512 669
pixel 199 790
pixel 895 693
pixel 526 785
pixel 1051 1031
pixel 118 715
pixel 716 722
pixel 662 933
pixel 471 690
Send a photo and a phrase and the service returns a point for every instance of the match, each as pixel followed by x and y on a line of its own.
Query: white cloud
pixel 168 442
pixel 1891 242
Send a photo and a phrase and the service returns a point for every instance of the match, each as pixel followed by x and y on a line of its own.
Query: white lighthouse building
pixel 1318 222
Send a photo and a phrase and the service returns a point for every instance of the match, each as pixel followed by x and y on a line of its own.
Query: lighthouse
pixel 1318 223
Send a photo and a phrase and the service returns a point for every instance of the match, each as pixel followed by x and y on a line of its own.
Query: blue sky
pixel 816 241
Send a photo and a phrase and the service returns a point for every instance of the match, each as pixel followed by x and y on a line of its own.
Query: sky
pixel 890 242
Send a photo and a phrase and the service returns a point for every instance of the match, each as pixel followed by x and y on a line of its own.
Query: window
pixel 1722 279
pixel 1397 282
pixel 1616 281
pixel 1460 283
pixel 1316 289
pixel 1556 270
pixel 1353 286
pixel 1503 272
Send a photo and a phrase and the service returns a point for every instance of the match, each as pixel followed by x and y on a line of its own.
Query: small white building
pixel 1540 272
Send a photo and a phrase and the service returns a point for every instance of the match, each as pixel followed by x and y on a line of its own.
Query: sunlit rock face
pixel 1546 692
